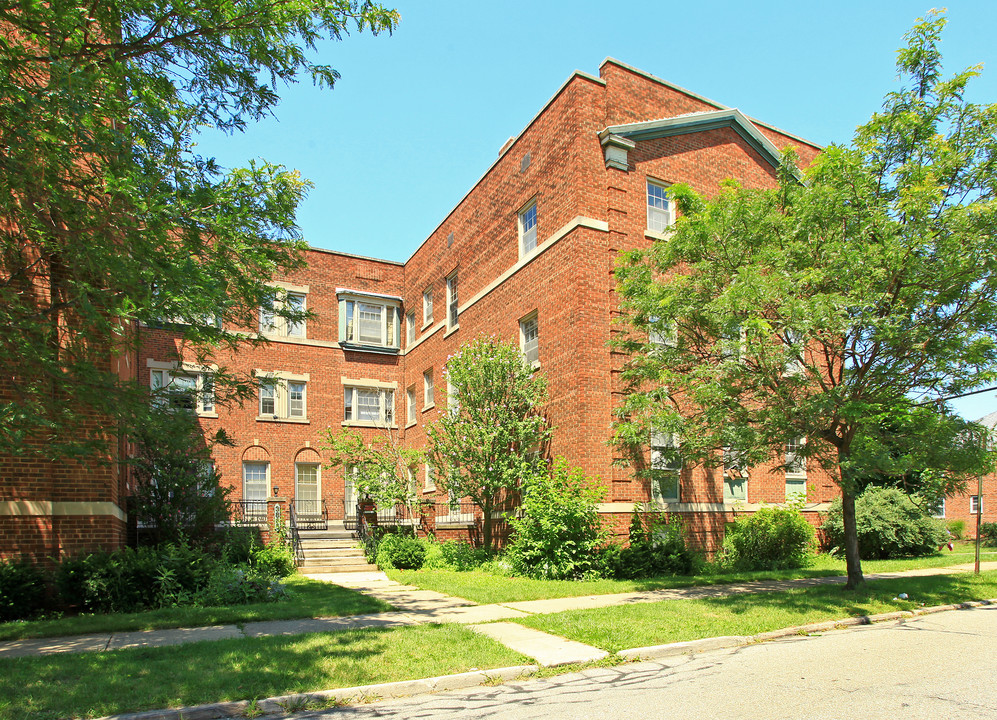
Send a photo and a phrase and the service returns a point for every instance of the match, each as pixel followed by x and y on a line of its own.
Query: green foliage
pixel 768 539
pixel 378 466
pixel 398 551
pixel 273 561
pixel 957 528
pixel 558 533
pixel 829 306
pixel 455 555
pixel 657 547
pixel 178 494
pixel 105 204
pixel 988 533
pixel 23 589
pixel 889 525
pixel 487 444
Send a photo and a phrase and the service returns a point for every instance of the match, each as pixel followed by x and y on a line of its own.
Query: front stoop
pixel 335 550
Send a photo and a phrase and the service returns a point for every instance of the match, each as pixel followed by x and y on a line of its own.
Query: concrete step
pixel 328 544
pixel 331 552
pixel 352 567
pixel 330 534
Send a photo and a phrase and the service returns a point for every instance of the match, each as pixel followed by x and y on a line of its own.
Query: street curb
pixel 326 698
pixel 690 647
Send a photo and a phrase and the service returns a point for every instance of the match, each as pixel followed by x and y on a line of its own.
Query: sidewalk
pixel 415 606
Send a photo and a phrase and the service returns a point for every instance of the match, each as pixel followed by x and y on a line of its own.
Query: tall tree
pixel 836 307
pixel 109 217
pixel 490 438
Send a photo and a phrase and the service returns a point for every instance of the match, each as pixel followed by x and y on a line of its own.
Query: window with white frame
pixel 282 396
pixel 288 300
pixel 662 334
pixel 370 406
pixel 974 505
pixel 794 352
pixel 796 468
pixel 735 476
pixel 427 388
pixel 410 327
pixel 660 215
pixel 453 401
pixel 529 341
pixel 427 306
pixel 452 300
pixel 369 321
pixel 528 229
pixel 183 389
pixel 666 467
pixel 430 483
pixel 255 490
pixel 410 403
pixel 410 476
pixel 307 500
pixel 938 509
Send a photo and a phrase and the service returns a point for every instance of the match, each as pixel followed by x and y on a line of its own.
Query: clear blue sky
pixel 417 117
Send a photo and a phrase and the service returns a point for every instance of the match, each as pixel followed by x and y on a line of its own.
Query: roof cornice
pixel 698 122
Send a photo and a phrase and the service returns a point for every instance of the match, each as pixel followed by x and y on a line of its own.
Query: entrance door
pixel 307 503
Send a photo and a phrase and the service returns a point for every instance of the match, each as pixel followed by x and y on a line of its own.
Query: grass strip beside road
pixel 485 588
pixel 623 627
pixel 308 598
pixel 96 684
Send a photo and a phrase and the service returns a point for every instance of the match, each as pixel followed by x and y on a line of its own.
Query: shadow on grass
pixel 94 684
pixel 307 598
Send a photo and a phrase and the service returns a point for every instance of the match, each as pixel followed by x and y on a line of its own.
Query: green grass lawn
pixel 96 684
pixel 308 598
pixel 641 625
pixel 481 587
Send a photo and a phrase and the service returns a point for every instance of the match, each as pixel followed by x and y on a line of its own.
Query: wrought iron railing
pixel 249 512
pixel 311 514
pixel 292 529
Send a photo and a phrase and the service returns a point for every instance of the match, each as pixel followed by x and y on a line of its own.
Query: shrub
pixel 237 586
pixel 402 552
pixel 23 590
pixel 464 556
pixel 656 547
pixel 273 561
pixel 889 525
pixel 957 528
pixel 768 539
pixel 559 533
pixel 988 533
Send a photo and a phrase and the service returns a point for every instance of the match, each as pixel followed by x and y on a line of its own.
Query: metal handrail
pixel 292 525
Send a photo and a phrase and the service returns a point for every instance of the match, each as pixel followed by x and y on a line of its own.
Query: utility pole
pixel 979 515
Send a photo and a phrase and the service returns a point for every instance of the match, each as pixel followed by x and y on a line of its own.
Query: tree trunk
pixel 852 560
pixel 486 526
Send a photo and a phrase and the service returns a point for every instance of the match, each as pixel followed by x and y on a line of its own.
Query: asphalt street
pixel 933 667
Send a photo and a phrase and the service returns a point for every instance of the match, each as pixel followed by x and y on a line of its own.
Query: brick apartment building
pixel 527 255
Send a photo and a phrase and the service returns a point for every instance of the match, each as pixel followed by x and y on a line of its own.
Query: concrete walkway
pixel 415 607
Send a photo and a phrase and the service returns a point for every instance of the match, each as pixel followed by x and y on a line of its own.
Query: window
pixel 255 490
pixel 938 509
pixel 974 504
pixel 662 334
pixel 430 485
pixel 184 390
pixel 528 229
pixel 307 503
pixel 735 479
pixel 529 340
pixel 427 389
pixel 659 208
pixel 410 403
pixel 368 406
pixel 666 467
pixel 794 352
pixel 410 474
pixel 452 301
pixel 290 301
pixel 427 306
pixel 733 343
pixel 410 327
pixel 371 322
pixel 283 396
pixel 796 468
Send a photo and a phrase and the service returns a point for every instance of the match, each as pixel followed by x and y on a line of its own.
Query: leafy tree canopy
pixel 490 438
pixel 108 216
pixel 836 307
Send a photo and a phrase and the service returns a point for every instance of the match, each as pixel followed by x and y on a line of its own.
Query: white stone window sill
pixel 411 423
pixel 428 407
pixel 451 331
pixel 368 424
pixel 207 414
pixel 271 418
pixel 655 235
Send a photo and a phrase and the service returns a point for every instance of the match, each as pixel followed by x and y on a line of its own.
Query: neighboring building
pixel 528 254
pixel 967 505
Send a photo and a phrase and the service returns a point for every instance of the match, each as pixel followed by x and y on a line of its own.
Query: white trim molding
pixel 47 508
